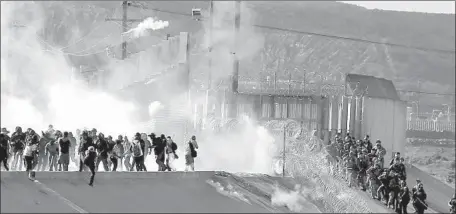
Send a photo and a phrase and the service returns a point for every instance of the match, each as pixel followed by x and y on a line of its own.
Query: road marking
pixel 66 201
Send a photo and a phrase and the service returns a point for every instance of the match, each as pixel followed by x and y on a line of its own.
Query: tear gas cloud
pixel 249 148
pixel 41 91
pixel 38 89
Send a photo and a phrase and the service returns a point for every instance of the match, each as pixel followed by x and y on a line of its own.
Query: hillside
pixel 68 21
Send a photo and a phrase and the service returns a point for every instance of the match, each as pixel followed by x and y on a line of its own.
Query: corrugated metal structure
pixel 374 108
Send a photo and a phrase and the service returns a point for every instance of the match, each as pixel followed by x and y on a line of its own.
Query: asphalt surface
pixel 170 192
pixel 438 193
pixel 118 192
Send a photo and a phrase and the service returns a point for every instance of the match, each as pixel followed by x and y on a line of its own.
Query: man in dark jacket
pixel 65 146
pixel 368 143
pixel 102 150
pixel 404 198
pixel 159 150
pixel 4 148
pixel 84 145
pixel 89 161
pixel 17 144
pixel 383 190
pixel 419 197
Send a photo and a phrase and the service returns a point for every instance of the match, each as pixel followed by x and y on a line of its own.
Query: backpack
pixel 174 146
pixel 136 150
pixel 193 152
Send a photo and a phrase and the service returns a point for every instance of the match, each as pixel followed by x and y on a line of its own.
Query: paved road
pixel 116 192
pixel 438 193
pixel 163 192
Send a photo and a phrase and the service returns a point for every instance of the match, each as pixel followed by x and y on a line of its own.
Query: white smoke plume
pixel 148 24
pixel 295 201
pixel 154 107
pixel 37 88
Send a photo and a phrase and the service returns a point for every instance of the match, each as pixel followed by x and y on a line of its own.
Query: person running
pixel 102 150
pixel 17 144
pixel 52 152
pixel 146 147
pixel 84 145
pixel 64 149
pixel 170 152
pixel 137 153
pixel 111 144
pixel 4 148
pixel 29 155
pixel 89 161
pixel 117 154
pixel 42 154
pixel 73 147
pixel 127 153
pixel 159 150
pixel 191 154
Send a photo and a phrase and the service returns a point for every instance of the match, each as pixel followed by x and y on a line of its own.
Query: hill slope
pixel 68 21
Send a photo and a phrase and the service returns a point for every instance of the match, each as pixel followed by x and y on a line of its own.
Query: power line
pixel 316 34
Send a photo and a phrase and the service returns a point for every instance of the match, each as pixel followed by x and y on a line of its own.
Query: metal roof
pixel 376 87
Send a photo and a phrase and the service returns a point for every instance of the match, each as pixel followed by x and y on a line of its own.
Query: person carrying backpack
pixel 170 151
pixel 137 153
pixel 190 154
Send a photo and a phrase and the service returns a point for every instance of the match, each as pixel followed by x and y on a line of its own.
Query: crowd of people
pixel 54 149
pixel 362 164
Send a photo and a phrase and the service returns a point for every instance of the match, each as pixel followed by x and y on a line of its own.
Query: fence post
pixel 284 146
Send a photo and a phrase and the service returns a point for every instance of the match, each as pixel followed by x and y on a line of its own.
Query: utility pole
pixel 209 81
pixel 237 26
pixel 125 21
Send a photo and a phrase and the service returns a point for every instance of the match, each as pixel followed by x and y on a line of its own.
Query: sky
pixel 410 6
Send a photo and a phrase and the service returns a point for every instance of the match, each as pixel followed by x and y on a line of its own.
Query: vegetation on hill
pixel 293 55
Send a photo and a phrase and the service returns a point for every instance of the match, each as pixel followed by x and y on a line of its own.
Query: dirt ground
pixel 437 160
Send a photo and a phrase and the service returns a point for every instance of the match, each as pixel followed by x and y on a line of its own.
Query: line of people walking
pixel 362 164
pixel 53 151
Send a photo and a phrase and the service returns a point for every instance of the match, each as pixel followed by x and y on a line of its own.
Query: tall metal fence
pixel 430 125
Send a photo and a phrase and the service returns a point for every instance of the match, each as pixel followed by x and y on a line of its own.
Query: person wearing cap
pixel 4 148
pixel 89 161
